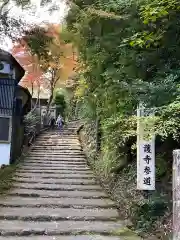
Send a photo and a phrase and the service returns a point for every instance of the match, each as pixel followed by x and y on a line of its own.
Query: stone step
pixel 49 144
pixel 56 181
pixel 62 158
pixel 21 228
pixel 58 138
pixel 59 149
pixel 76 237
pixel 60 152
pixel 55 176
pixel 56 194
pixel 52 162
pixel 55 168
pixel 56 143
pixel 57 187
pixel 55 148
pixel 67 160
pixel 59 156
pixel 57 214
pixel 52 140
pixel 57 164
pixel 56 173
pixel 56 202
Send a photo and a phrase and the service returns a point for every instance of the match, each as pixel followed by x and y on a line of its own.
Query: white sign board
pixel 145 155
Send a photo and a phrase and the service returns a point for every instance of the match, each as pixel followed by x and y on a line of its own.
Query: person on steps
pixel 53 122
pixel 60 123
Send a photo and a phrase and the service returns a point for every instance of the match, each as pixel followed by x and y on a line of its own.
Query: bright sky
pixel 38 15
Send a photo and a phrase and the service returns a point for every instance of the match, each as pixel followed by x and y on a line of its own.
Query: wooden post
pixel 176 194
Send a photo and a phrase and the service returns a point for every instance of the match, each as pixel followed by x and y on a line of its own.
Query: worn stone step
pixel 64 172
pixel 55 147
pixel 56 194
pixel 55 157
pixel 61 145
pixel 56 181
pixel 55 160
pixel 60 155
pixel 57 150
pixel 55 176
pixel 54 139
pixel 57 214
pixel 68 132
pixel 52 163
pixel 58 162
pixel 56 134
pixel 75 237
pixel 55 168
pixel 56 202
pixel 64 144
pixel 58 166
pixel 60 152
pixel 21 228
pixel 57 144
pixel 56 187
pixel 57 139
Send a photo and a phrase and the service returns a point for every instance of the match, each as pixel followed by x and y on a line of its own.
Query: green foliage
pixel 122 64
pixel 60 102
pixel 147 212
pixel 38 42
pixel 129 52
pixel 31 121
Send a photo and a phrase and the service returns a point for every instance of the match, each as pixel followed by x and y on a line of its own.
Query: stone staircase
pixel 56 197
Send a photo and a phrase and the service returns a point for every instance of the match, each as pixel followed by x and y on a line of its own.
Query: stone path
pixel 56 197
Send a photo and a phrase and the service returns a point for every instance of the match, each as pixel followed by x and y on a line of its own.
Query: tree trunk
pixel 37 100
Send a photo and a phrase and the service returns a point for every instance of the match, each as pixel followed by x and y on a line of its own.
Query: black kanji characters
pixel 147 148
pixel 147 181
pixel 147 159
pixel 147 170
